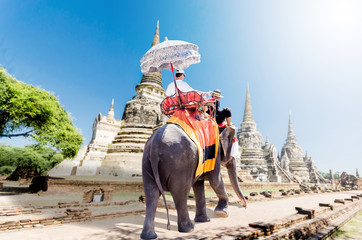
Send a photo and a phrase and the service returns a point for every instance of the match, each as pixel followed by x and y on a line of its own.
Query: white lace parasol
pixel 182 54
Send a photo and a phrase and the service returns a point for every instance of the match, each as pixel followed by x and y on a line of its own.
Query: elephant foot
pixel 189 227
pixel 148 235
pixel 202 219
pixel 221 212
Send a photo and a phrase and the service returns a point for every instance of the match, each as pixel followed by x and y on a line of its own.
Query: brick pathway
pixel 129 227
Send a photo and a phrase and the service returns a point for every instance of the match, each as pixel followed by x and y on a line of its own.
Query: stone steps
pixel 129 140
pixel 252 156
pixel 135 131
pixel 252 159
pixel 253 153
pixel 146 137
pixel 125 147
pixel 261 156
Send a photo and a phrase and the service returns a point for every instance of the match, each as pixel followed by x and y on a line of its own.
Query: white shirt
pixel 181 85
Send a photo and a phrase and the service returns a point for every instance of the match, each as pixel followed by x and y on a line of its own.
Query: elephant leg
pixel 183 219
pixel 200 201
pixel 152 194
pixel 217 184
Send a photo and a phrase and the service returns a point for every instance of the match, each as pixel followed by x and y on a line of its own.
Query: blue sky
pixel 298 56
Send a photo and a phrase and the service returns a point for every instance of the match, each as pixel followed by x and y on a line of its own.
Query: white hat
pixel 180 71
pixel 217 93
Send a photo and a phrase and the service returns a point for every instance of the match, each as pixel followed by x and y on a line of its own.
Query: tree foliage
pixel 26 110
pixel 328 176
pixel 29 161
pixel 325 175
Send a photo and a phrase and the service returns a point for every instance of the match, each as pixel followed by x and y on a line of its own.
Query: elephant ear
pixel 226 139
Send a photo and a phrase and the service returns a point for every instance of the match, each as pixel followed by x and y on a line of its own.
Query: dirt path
pixel 130 227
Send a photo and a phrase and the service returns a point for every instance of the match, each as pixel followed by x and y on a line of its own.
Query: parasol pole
pixel 174 81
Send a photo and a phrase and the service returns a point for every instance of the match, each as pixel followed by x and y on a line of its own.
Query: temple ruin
pixel 104 129
pixel 261 160
pixel 292 156
pixel 251 142
pixel 116 147
pixel 141 115
pixel 90 157
pixel 301 167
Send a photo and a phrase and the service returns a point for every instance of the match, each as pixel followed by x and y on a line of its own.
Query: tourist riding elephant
pixel 169 164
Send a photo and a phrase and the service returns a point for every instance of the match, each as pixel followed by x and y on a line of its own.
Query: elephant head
pixel 226 140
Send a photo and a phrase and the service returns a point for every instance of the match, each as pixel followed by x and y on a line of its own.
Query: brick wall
pixel 77 185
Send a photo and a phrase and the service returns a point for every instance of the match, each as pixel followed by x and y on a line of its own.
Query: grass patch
pixel 15 184
pixel 351 230
pixel 126 196
pixel 104 178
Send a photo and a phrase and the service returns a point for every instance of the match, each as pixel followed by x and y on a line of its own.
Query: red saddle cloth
pixel 188 100
pixel 205 134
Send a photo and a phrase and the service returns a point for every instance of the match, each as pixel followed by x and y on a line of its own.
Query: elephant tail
pixel 154 165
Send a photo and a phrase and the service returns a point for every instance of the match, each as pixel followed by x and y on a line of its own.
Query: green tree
pixel 27 162
pixel 6 170
pixel 50 156
pixel 325 175
pixel 336 175
pixel 29 111
pixel 7 154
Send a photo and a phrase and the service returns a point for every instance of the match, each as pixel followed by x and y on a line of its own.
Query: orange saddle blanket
pixel 205 134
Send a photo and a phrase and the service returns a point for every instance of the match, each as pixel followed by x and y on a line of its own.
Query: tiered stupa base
pixel 299 170
pixel 253 159
pixel 124 156
pixel 92 161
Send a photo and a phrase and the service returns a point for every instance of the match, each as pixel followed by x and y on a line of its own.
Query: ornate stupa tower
pixel 249 137
pixel 90 157
pixel 104 130
pixel 251 141
pixel 293 152
pixel 141 115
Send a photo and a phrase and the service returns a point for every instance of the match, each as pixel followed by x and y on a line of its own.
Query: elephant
pixel 169 164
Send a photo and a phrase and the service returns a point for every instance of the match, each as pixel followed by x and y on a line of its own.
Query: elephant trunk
pixel 231 167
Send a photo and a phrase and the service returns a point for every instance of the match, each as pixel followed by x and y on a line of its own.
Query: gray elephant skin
pixel 169 164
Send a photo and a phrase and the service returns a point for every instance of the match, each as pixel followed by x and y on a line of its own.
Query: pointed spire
pixel 110 115
pixel 357 174
pixel 155 77
pixel 248 113
pixel 291 135
pixel 156 37
pixel 267 144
